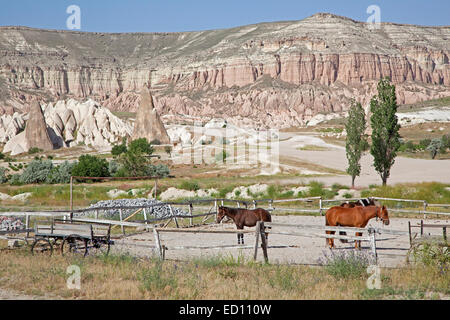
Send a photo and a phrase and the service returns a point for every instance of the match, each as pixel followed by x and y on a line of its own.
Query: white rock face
pixel 216 123
pixel 247 192
pixel 10 126
pixel 115 193
pixel 69 123
pixel 174 193
pixel 88 122
pixel 180 134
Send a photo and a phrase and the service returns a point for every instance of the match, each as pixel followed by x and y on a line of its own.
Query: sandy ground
pixel 6 294
pixel 392 250
pixel 404 169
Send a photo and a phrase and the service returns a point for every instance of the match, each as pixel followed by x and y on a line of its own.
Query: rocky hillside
pixel 274 74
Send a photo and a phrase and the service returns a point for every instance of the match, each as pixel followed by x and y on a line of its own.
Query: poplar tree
pixel 385 128
pixel 356 141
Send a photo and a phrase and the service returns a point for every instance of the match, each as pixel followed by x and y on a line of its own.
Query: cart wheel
pixel 42 246
pixel 74 245
pixel 98 247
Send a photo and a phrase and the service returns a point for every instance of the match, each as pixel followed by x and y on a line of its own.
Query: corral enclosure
pixel 182 242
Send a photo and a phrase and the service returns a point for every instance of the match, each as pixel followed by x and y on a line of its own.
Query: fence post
pixel 425 204
pixel 96 214
pixel 263 241
pixel 173 216
pixel 254 204
pixel 158 243
pixel 191 221
pixel 27 223
pixel 121 220
pixel 217 209
pixel 373 245
pixel 145 215
pixel 71 198
pixel 320 205
pixel 257 232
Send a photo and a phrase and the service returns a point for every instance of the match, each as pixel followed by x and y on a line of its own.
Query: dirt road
pixel 404 169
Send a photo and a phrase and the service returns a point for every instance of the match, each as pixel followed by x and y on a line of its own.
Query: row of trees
pixel 385 138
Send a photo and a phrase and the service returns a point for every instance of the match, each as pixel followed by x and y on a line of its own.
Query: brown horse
pixel 357 216
pixel 244 218
pixel 360 203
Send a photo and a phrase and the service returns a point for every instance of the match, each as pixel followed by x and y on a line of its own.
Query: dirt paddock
pixel 391 249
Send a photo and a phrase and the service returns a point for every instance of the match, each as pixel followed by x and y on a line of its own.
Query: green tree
pixel 435 147
pixel 356 142
pixel 385 128
pixel 90 166
pixel 135 162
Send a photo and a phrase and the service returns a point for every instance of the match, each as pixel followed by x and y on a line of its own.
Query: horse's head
pixel 221 213
pixel 383 215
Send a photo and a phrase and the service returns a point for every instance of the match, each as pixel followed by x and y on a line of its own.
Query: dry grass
pixel 125 277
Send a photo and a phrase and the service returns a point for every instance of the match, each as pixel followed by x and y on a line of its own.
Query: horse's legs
pixel 330 241
pixel 240 235
pixel 358 242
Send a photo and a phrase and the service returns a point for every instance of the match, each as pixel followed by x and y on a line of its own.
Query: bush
pixel 189 185
pixel 316 189
pixel 433 255
pixel 15 180
pixel 61 173
pixel 113 167
pixel 343 264
pixel 118 150
pixel 140 145
pixel 37 171
pixel 159 170
pixel 34 150
pixel 3 176
pixel 91 166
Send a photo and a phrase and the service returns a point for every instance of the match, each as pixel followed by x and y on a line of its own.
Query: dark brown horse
pixel 361 202
pixel 244 218
pixel 354 217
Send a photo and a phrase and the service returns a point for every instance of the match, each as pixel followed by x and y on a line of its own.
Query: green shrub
pixel 432 254
pixel 37 171
pixel 316 189
pixel 15 180
pixel 118 149
pixel 3 175
pixel 155 278
pixel 350 264
pixel 159 170
pixel 61 173
pixel 189 185
pixel 91 166
pixel 34 150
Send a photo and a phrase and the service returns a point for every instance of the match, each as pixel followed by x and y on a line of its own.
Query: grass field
pixel 219 277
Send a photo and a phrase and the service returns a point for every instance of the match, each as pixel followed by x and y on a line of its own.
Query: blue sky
pixel 190 15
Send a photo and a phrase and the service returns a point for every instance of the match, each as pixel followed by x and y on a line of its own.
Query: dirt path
pixel 404 169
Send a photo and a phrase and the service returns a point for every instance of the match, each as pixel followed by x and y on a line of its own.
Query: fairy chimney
pixel 148 124
pixel 36 134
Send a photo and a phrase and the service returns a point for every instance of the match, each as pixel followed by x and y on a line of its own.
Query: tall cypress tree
pixel 385 128
pixel 356 141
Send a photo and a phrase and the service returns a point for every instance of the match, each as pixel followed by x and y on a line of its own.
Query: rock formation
pixel 35 134
pixel 148 124
pixel 69 123
pixel 269 74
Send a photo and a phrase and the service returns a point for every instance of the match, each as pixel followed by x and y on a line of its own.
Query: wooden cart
pixel 71 238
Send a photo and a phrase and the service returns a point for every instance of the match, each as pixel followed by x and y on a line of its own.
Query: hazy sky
pixel 190 15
